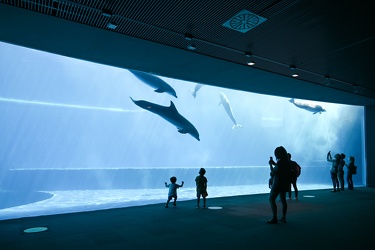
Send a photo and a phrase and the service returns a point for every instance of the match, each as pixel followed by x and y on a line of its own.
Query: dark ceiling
pixel 331 43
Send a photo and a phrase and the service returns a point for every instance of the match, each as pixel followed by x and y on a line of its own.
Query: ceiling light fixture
pixel 295 74
pixel 192 47
pixel 111 25
pixel 251 63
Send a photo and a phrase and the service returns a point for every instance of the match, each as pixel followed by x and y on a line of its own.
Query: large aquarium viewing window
pixel 80 136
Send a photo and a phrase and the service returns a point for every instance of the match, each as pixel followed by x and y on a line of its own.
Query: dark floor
pixel 343 220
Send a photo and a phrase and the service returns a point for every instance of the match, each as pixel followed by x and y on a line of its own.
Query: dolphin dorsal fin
pixel 172 106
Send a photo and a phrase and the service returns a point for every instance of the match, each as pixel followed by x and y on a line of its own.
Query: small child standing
pixel 201 183
pixel 172 190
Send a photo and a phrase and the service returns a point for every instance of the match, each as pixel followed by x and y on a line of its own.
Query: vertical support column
pixel 370 144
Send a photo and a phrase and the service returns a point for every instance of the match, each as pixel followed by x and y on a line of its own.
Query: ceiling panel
pixel 320 38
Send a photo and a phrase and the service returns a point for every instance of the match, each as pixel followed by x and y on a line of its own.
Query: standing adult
pixel 281 183
pixel 352 169
pixel 333 170
pixel 340 171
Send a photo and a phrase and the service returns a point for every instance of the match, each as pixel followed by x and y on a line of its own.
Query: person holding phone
pixel 280 171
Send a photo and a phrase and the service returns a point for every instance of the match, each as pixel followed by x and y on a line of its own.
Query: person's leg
pixel 175 199
pixel 333 181
pixel 169 199
pixel 341 180
pixel 295 189
pixel 284 204
pixel 350 181
pixel 272 200
pixel 204 202
pixel 337 183
pixel 198 199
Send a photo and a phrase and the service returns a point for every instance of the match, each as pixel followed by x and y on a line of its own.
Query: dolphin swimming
pixel 171 115
pixel 225 102
pixel 197 87
pixel 155 82
pixel 314 108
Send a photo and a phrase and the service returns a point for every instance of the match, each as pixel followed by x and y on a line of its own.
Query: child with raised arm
pixel 172 193
pixel 201 183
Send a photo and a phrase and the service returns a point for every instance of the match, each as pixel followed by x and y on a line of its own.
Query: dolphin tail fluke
pixel 237 126
pixel 193 93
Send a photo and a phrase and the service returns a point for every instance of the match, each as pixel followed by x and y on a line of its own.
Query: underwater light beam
pixel 63 105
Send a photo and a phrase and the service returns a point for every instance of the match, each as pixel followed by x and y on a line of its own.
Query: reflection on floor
pixel 89 200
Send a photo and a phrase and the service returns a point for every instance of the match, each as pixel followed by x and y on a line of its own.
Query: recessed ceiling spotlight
pixel 111 25
pixel 251 63
pixel 292 67
pixel 192 47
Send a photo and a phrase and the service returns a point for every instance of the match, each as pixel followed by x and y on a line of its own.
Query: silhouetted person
pixel 352 169
pixel 201 184
pixel 281 183
pixel 294 174
pixel 333 170
pixel 340 171
pixel 172 193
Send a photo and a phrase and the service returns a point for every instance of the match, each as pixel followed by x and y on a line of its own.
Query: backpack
pixel 354 170
pixel 298 170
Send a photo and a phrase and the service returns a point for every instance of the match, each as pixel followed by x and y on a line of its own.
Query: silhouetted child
pixel 201 183
pixel 172 193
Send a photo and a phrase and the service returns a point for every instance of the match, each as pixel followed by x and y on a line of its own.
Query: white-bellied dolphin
pixel 225 102
pixel 314 108
pixel 155 82
pixel 171 115
pixel 197 87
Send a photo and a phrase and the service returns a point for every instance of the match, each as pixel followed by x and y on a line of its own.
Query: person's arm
pixel 329 156
pixel 182 184
pixel 166 185
pixel 271 163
